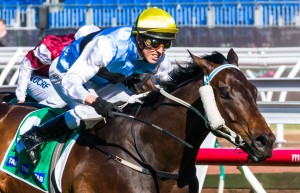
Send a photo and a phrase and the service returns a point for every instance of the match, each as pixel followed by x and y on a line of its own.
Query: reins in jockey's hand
pixel 104 108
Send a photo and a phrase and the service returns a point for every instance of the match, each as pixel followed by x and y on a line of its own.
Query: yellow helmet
pixel 156 23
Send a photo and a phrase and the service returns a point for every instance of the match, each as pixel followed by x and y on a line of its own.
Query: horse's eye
pixel 224 92
pixel 225 95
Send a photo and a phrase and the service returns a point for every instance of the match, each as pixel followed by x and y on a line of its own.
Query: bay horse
pixel 154 147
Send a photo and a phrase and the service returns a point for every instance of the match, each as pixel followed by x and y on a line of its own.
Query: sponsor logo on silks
pixel 56 76
pixel 12 161
pixel 24 168
pixel 40 82
pixel 40 176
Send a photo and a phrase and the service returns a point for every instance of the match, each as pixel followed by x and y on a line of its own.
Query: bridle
pixel 219 128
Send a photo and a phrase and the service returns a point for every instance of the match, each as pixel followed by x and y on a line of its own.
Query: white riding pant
pixel 41 89
pixel 81 112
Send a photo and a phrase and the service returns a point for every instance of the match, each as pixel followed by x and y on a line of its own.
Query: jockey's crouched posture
pixel 34 69
pixel 121 50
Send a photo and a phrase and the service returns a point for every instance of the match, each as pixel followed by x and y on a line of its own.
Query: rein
pixel 155 126
pixel 222 129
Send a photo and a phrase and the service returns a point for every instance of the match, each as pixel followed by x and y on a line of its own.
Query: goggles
pixel 154 43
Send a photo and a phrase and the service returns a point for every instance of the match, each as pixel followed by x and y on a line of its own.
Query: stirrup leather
pixel 34 156
pixel 32 142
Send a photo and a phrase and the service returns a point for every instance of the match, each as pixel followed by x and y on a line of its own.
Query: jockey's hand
pixel 104 108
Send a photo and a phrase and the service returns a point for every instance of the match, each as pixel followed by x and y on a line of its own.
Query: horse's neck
pixel 182 122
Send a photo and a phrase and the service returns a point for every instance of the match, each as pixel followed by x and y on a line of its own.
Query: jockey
pixel 33 74
pixel 120 50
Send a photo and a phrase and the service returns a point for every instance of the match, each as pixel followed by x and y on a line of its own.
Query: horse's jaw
pixel 252 155
pixel 257 154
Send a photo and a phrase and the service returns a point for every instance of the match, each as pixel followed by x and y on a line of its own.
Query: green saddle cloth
pixel 17 161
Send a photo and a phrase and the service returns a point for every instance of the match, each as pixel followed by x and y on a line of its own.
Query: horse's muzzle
pixel 260 148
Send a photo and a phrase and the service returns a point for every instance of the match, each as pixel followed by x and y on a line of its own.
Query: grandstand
pixel 104 13
pixel 215 22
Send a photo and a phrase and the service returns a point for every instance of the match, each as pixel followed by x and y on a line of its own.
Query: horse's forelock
pixel 216 57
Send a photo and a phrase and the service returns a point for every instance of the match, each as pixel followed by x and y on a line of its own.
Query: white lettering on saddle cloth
pixel 40 176
pixel 12 161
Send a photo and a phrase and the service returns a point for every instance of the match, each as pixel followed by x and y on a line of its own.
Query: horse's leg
pixel 3 182
pixel 74 178
pixel 7 184
pixel 10 118
pixel 81 185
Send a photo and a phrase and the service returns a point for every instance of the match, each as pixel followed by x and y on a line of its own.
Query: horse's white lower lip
pixel 253 158
pixel 252 155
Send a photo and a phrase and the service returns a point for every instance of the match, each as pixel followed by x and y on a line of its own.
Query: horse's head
pixel 236 115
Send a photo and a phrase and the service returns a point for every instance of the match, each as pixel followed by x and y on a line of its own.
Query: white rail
pixel 250 59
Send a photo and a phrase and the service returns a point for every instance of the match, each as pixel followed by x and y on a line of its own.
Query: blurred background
pixel 211 23
pixel 264 33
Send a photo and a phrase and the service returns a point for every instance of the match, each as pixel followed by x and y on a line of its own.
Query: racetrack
pixel 274 179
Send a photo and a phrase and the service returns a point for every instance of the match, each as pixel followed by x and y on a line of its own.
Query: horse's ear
pixel 232 57
pixel 202 63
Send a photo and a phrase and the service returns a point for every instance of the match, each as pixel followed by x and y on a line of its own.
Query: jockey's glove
pixel 104 108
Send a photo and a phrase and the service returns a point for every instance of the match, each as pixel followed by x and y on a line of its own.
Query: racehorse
pixel 152 147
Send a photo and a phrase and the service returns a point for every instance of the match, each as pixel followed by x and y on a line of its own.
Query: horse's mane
pixel 183 73
pixel 189 70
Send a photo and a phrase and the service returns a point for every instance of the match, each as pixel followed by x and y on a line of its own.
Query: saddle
pixel 17 162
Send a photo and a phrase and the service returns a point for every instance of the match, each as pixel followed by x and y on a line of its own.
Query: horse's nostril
pixel 260 141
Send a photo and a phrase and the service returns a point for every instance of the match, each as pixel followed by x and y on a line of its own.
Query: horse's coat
pixel 90 170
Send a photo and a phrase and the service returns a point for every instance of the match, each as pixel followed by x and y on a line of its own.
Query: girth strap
pixel 141 169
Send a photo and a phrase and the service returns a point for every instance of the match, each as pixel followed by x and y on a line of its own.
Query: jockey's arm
pixel 33 60
pixel 97 53
pixel 25 72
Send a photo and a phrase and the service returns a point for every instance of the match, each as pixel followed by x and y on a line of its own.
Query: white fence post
pixel 251 179
pixel 201 172
pixel 211 17
pixel 89 19
pixel 30 19
pixel 17 23
pixel 258 19
pixel 9 66
pixel 297 19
